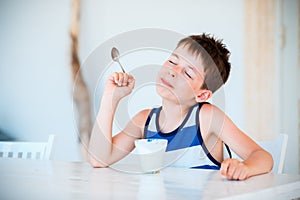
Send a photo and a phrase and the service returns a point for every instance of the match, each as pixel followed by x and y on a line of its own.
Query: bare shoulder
pixel 135 127
pixel 210 111
pixel 211 118
pixel 140 118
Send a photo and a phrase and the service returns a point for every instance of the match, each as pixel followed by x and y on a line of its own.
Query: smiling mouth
pixel 166 83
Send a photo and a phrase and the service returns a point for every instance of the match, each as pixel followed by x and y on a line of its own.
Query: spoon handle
pixel 121 66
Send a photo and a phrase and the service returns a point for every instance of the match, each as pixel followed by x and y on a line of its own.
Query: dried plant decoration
pixel 81 95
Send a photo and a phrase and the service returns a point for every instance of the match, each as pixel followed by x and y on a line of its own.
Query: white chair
pixel 278 150
pixel 27 150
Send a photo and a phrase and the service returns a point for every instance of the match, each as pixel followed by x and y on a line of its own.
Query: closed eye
pixel 173 63
pixel 188 75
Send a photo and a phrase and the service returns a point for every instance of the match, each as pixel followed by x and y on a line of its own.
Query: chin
pixel 166 93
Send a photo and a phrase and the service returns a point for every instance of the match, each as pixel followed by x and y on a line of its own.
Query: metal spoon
pixel 115 56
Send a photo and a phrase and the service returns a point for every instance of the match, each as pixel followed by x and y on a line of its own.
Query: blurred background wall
pixel 35 76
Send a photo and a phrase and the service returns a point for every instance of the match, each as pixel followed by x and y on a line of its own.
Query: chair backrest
pixel 27 150
pixel 278 150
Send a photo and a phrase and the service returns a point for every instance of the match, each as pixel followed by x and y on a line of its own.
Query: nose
pixel 173 71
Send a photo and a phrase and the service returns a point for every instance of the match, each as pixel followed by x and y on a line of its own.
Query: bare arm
pixel 255 159
pixel 104 149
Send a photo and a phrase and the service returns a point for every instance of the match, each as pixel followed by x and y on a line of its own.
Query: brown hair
pixel 214 56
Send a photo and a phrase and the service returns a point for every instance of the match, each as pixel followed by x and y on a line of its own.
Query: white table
pixel 29 179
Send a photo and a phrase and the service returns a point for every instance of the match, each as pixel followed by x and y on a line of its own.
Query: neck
pixel 172 115
pixel 170 109
pixel 176 108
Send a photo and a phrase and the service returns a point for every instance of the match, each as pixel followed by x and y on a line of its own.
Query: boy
pixel 198 67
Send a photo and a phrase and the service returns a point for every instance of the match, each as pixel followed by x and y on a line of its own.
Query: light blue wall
pixel 290 82
pixel 35 84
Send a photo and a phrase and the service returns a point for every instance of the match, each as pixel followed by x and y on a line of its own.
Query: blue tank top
pixel 185 144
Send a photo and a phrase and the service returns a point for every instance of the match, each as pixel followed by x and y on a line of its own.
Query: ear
pixel 204 95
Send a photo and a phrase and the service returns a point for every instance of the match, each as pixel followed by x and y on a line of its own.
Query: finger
pixel 131 81
pixel 243 175
pixel 125 79
pixel 130 78
pixel 121 79
pixel 224 167
pixel 231 171
pixel 233 168
pixel 237 174
pixel 115 77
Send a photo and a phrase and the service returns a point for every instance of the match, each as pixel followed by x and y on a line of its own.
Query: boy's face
pixel 181 77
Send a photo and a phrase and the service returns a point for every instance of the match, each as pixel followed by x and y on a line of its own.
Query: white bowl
pixel 151 153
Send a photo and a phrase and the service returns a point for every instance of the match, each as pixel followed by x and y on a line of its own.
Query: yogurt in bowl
pixel 151 154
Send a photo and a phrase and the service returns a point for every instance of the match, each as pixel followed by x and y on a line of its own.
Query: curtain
pixel 259 63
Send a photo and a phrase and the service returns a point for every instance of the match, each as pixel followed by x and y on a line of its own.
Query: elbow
pixel 97 163
pixel 271 160
pixel 268 161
